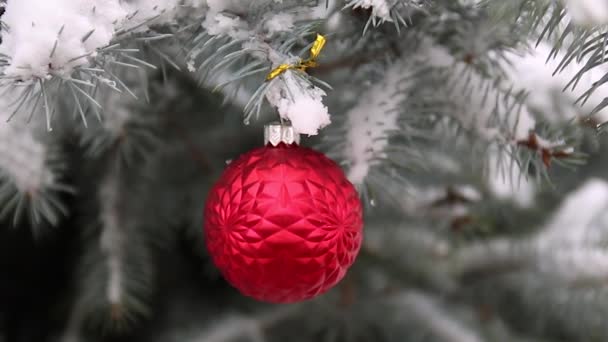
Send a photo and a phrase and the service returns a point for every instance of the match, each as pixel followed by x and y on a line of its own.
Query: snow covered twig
pixel 30 169
pixel 76 49
pixel 230 40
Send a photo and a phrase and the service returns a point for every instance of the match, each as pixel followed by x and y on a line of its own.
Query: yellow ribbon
pixel 311 62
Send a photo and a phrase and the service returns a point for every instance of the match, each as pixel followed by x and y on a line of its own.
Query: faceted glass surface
pixel 283 224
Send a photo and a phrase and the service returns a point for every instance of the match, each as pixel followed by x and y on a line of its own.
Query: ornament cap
pixel 276 133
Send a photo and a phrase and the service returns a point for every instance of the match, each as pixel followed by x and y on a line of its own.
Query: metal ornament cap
pixel 276 133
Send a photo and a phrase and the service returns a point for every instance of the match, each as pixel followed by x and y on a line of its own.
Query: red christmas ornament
pixel 283 224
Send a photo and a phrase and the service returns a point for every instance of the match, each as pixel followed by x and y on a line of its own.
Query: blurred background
pixel 473 131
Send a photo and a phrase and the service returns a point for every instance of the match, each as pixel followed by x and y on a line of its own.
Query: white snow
pixel 223 5
pixel 469 192
pixel 588 12
pixel 549 144
pixel 116 120
pixel 22 156
pixel 150 8
pixel 112 239
pixel 570 246
pixel 222 24
pixel 219 21
pixel 574 264
pixel 307 113
pixel 475 110
pixel 144 10
pixel 296 101
pixel 370 121
pixel 506 182
pixel 52 37
pixel 325 9
pixel 380 8
pixel 531 71
pixel 35 27
pixel 573 220
pixel 279 23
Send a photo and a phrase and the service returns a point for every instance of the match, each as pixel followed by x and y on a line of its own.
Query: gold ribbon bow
pixel 311 62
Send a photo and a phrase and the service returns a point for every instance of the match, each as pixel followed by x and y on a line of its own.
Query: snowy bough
pixel 470 128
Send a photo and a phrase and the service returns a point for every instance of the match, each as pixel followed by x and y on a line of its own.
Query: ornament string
pixel 302 65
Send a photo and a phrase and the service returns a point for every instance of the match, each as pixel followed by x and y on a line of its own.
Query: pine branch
pixel 79 70
pixel 576 35
pixel 362 138
pixel 451 84
pixel 31 168
pixel 506 274
pixel 127 130
pixel 241 45
pixel 116 273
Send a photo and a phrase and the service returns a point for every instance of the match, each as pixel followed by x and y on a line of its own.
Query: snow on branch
pixel 30 169
pixel 47 37
pixel 53 37
pixel 125 291
pixel 568 253
pixel 235 31
pixel 484 93
pixel 479 102
pixel 553 95
pixel 571 226
pixel 572 35
pixel 381 9
pixel 297 102
pixel 128 129
pixel 371 121
pixel 588 13
pixel 431 86
pixel 112 240
pixel 507 180
pixel 493 107
pixel 162 11
pixel 72 45
pixel 567 249
pixel 428 86
pixel 116 273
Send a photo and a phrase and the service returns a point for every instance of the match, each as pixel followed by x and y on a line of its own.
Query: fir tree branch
pixel 31 167
pixel 249 47
pixel 116 272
